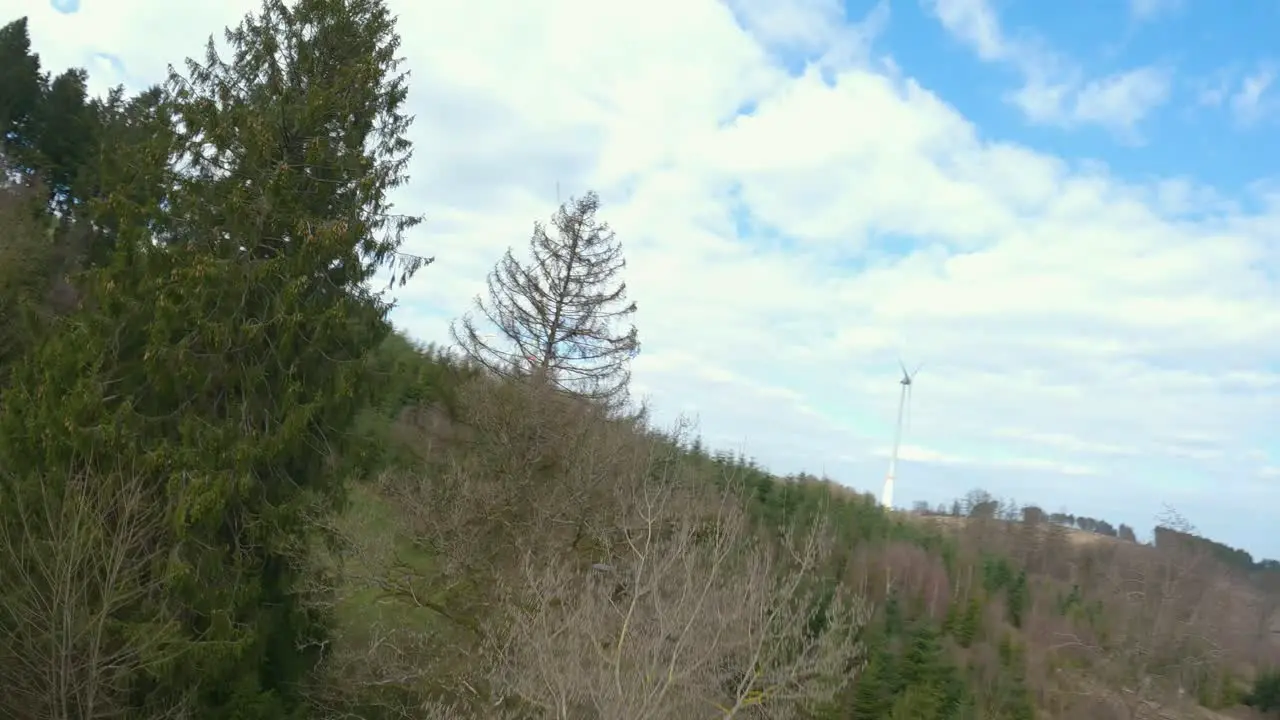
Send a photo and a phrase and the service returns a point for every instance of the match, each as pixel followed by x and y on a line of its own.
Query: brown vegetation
pixel 1155 630
pixel 73 559
pixel 568 562
pixel 546 558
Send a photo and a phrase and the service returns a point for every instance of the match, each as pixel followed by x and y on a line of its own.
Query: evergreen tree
pixel 66 135
pixel 955 699
pixel 29 266
pixel 893 620
pixel 21 93
pixel 968 624
pixel 227 364
pixel 951 620
pixel 46 128
pixel 1018 597
pixel 1265 695
pixel 124 191
pixel 922 661
pixel 1017 703
pixel 872 697
pixel 918 702
pixel 996 574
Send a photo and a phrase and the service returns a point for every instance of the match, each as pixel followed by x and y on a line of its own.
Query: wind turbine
pixel 886 498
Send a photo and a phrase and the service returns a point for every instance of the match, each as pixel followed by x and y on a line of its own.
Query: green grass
pixel 378 550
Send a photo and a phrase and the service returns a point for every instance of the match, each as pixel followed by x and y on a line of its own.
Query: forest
pixel 230 488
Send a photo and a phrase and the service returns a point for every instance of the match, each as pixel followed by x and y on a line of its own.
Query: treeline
pixel 979 503
pixel 1232 557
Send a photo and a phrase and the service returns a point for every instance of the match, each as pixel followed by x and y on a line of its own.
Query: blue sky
pixel 1068 211
pixel 1206 53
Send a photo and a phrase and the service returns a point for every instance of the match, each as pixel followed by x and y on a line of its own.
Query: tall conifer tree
pixel 223 350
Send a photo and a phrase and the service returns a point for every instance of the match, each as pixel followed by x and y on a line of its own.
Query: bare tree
pixel 691 616
pixel 556 313
pixel 1158 634
pixel 78 556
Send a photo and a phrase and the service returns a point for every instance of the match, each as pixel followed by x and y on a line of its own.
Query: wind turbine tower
pixel 886 497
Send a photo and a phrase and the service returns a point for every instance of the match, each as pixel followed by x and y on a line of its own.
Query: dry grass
pixel 1076 536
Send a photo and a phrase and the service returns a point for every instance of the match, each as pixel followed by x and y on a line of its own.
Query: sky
pixel 1068 212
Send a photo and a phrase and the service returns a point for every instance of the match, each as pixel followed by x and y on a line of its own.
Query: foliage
pixel 1265 695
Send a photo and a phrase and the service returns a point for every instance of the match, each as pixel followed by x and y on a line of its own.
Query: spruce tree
pixel 291 146
pixel 967 626
pixel 222 351
pixel 128 181
pixel 29 265
pixel 21 91
pixel 922 661
pixel 66 135
pixel 894 623
pixel 1018 599
pixel 46 127
pixel 918 702
pixel 1265 695
pixel 873 690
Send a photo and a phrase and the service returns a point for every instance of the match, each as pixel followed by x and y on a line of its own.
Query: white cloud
pixel 1065 441
pixel 1054 89
pixel 1144 10
pixel 974 22
pixel 1122 100
pixel 1089 341
pixel 818 30
pixel 1248 96
pixel 1248 103
pixel 1214 91
pixel 916 453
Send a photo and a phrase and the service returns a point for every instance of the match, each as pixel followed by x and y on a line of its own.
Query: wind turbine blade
pixel 917 370
pixel 910 392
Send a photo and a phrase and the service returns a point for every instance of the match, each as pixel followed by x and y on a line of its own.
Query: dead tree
pixel 556 314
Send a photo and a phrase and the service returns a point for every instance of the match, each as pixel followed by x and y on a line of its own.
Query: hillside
pixel 1026 619
pixel 229 488
pixel 1255 584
